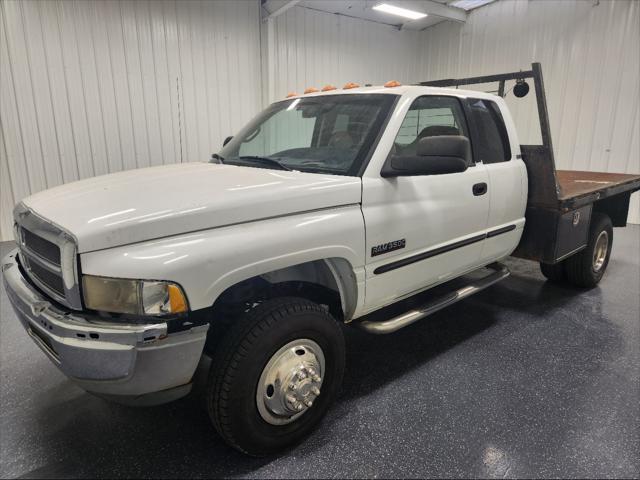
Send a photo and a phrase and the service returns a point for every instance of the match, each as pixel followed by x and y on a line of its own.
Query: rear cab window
pixel 491 141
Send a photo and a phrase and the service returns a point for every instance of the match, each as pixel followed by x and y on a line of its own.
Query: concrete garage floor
pixel 527 379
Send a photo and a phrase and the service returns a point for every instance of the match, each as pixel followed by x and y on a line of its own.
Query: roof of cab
pixel 400 90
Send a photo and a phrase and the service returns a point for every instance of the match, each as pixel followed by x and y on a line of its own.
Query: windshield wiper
pixel 215 156
pixel 266 161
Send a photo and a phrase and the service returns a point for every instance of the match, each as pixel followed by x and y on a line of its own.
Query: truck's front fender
pixel 206 263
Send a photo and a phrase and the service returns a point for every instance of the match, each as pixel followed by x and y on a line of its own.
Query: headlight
pixel 138 297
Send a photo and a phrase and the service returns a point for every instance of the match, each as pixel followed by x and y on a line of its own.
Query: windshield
pixel 328 134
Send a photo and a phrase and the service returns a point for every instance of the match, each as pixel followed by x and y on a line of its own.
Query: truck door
pixel 423 230
pixel 507 177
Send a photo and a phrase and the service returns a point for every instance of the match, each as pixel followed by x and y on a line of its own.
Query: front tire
pixel 275 375
pixel 586 268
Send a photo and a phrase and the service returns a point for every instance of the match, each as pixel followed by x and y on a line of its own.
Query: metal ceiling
pixel 437 10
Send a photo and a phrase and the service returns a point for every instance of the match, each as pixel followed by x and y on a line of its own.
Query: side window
pixel 492 142
pixel 429 116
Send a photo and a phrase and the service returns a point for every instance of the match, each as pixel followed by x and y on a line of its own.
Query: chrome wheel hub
pixel 290 382
pixel 600 252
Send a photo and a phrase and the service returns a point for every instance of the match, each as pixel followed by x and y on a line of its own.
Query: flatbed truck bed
pixel 578 186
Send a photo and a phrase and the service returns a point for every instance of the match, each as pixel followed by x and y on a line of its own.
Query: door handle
pixel 479 189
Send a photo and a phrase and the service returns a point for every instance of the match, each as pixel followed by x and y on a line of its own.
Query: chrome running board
pixel 393 324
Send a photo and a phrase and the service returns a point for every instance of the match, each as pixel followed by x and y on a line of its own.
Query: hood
pixel 144 204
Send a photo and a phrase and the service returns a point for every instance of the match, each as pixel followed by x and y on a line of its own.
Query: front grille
pixel 48 255
pixel 44 248
pixel 49 278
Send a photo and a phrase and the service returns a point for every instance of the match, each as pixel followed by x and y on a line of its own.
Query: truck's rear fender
pixel 616 207
pixel 324 247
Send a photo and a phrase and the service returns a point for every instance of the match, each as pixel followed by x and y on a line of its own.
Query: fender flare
pixel 335 273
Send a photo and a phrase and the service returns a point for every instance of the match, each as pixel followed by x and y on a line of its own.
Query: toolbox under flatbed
pixel 561 203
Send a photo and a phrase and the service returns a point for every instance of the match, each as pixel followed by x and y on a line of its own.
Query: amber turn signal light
pixel 327 88
pixel 392 83
pixel 176 299
pixel 349 85
pixel 310 90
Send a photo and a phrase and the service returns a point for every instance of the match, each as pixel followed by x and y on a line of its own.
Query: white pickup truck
pixel 322 211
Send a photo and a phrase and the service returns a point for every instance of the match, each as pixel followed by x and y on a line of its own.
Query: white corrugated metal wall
pixel 314 48
pixel 590 55
pixel 90 87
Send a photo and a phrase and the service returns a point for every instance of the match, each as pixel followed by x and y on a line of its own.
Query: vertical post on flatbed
pixel 543 114
pixel 501 89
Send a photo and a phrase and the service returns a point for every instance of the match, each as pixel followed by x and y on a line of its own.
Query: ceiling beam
pixel 437 9
pixel 280 10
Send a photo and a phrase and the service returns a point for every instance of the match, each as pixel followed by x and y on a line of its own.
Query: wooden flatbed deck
pixel 578 187
pixel 576 184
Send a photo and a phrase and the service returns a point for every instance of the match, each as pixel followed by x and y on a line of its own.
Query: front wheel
pixel 275 375
pixel 586 268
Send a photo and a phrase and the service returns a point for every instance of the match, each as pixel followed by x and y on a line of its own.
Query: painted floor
pixel 526 379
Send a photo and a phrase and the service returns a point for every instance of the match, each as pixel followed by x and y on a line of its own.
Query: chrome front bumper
pixel 111 359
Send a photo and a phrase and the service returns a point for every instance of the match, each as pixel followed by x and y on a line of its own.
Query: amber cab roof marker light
pixel 327 88
pixel 310 90
pixel 392 83
pixel 349 85
pixel 291 94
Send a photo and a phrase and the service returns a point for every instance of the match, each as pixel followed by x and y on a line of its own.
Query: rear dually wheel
pixel 586 268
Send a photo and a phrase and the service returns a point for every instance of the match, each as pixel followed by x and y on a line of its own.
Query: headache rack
pixel 560 202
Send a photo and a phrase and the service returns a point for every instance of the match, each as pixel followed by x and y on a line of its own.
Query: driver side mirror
pixel 435 156
pixel 227 140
